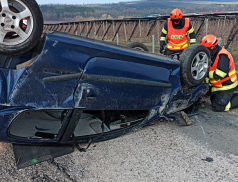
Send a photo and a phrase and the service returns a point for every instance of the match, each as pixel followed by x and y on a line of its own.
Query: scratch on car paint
pixel 18 85
pixel 79 92
pixel 70 55
pixel 42 82
pixel 55 43
pixel 164 100
pixel 22 81
pixel 68 99
pixel 152 113
pixel 80 70
pixel 46 50
pixel 49 91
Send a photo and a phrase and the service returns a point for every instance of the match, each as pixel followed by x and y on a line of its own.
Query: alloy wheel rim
pixel 12 31
pixel 199 66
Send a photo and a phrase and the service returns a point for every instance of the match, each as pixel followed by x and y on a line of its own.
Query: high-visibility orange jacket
pixel 217 84
pixel 190 32
pixel 177 38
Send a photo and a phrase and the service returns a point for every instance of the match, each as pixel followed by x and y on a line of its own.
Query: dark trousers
pixel 171 53
pixel 221 99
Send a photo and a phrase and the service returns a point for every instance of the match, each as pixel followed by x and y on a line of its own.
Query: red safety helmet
pixel 209 41
pixel 176 14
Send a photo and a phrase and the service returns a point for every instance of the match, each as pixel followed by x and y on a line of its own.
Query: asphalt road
pixel 163 151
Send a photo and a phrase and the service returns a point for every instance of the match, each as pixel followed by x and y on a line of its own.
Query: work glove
pixel 207 80
pixel 161 49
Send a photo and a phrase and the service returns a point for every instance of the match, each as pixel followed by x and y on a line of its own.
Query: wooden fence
pixel 148 30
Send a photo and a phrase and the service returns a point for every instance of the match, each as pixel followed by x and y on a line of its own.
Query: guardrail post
pixel 106 30
pixel 206 20
pixel 87 26
pixel 76 29
pixel 153 44
pixel 115 34
pixel 103 27
pixel 125 31
pixel 117 39
pixel 224 27
pixel 140 31
pixel 134 29
pixel 113 27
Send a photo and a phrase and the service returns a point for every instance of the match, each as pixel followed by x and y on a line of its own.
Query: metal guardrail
pixel 148 29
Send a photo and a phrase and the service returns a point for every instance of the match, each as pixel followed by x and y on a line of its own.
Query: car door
pixel 138 81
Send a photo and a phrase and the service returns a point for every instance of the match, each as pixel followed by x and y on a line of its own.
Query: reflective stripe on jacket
pixel 217 84
pixel 177 38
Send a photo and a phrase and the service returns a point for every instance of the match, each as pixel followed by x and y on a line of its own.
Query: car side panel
pixel 119 84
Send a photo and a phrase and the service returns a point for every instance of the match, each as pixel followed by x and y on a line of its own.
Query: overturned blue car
pixel 70 88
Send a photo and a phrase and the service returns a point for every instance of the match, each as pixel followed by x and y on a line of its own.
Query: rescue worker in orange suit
pixel 176 28
pixel 222 76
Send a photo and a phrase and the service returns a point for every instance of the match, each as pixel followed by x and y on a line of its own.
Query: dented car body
pixel 65 88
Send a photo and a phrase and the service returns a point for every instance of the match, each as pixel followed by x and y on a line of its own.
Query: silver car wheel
pixel 12 29
pixel 199 65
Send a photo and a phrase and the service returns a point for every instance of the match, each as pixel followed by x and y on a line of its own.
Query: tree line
pixel 54 12
pixel 58 12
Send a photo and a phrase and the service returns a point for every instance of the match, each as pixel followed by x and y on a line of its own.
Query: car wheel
pixel 138 46
pixel 21 26
pixel 195 64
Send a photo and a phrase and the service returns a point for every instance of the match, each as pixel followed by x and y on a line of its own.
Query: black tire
pixel 137 46
pixel 17 36
pixel 195 64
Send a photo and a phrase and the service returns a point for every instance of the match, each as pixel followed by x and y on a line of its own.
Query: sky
pixel 80 1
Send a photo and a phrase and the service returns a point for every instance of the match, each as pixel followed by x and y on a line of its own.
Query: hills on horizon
pixel 63 12
pixel 139 1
